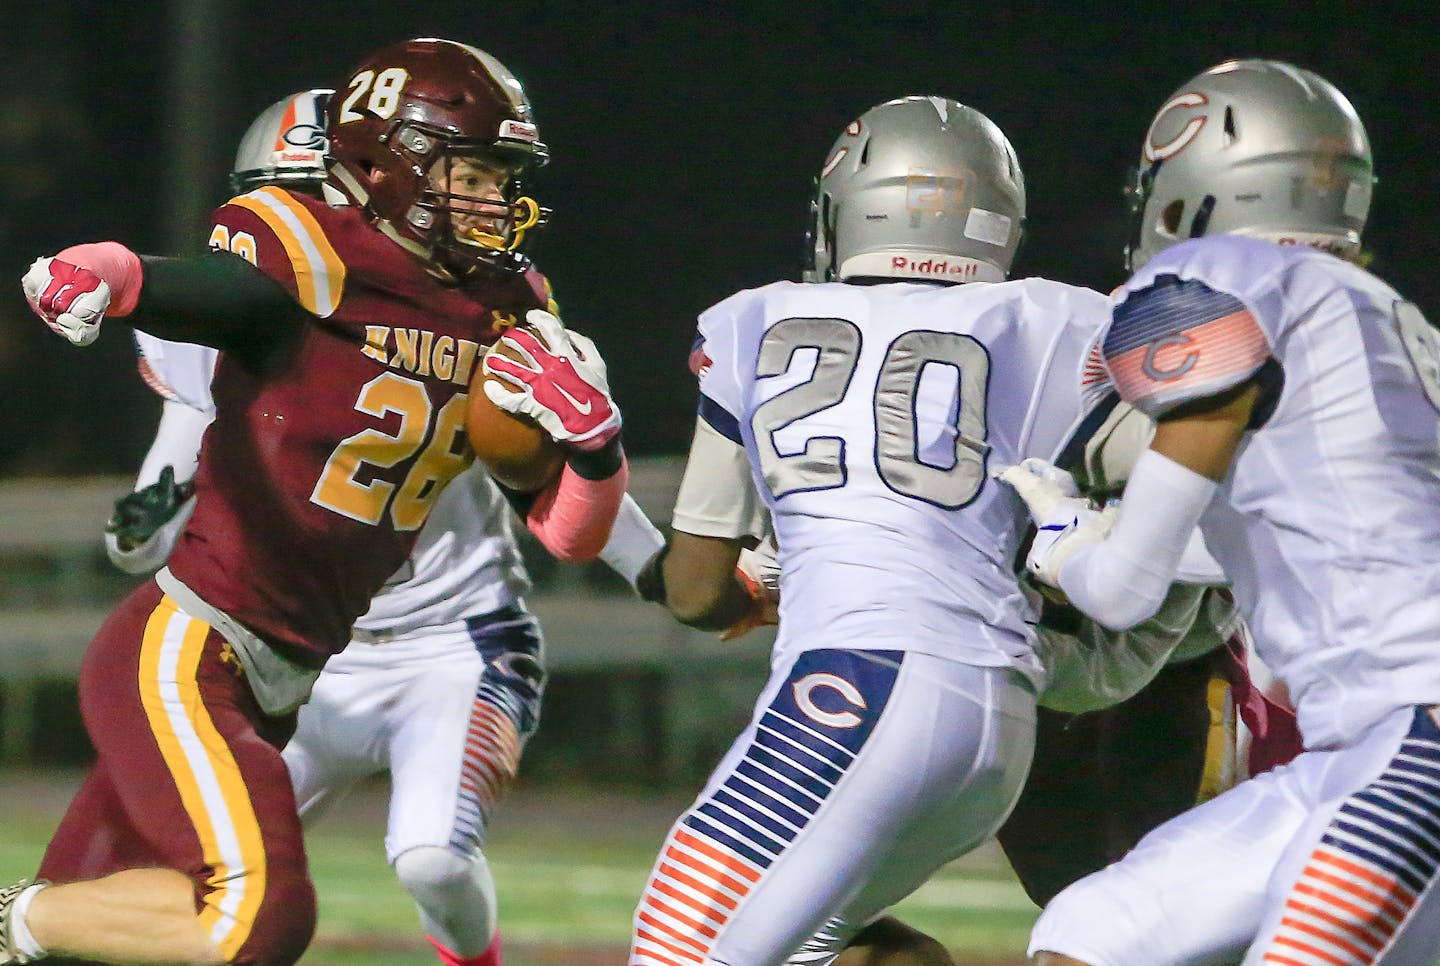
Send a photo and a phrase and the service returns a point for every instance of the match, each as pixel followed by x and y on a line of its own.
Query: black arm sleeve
pixel 601 464
pixel 216 299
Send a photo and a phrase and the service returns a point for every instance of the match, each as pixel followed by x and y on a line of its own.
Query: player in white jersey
pixel 442 681
pixel 896 728
pixel 1298 400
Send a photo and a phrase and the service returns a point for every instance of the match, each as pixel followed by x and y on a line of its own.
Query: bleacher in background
pixel 634 697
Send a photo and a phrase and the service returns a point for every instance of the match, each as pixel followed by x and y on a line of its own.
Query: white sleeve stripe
pixel 319 273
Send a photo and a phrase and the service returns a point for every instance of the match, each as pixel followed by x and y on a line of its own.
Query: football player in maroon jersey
pixel 347 348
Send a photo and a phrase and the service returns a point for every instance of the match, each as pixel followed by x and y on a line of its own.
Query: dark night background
pixel 684 138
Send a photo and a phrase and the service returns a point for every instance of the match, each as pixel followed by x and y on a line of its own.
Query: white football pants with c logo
pixel 861 773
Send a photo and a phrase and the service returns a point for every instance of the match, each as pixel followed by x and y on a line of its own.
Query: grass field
pixel 568 865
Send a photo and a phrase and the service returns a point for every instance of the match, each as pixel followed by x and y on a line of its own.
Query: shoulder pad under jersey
pixel 277 231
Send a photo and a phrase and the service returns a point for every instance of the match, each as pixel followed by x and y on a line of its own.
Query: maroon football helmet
pixel 412 106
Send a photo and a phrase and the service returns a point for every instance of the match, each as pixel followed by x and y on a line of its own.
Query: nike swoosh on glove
pixel 70 299
pixel 1064 521
pixel 561 383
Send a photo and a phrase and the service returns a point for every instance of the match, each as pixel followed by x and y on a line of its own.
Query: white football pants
pixel 1328 861
pixel 447 711
pixel 861 773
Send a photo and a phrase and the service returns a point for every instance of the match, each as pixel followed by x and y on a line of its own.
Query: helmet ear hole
pixel 1171 215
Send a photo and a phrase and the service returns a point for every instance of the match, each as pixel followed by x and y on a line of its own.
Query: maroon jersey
pixel 318 473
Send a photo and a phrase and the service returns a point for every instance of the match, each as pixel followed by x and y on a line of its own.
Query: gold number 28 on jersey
pixel 440 442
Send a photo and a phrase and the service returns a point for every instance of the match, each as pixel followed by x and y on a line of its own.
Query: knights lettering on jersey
pixel 422 351
pixel 317 476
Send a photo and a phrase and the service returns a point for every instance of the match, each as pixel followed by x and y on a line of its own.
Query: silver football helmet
pixel 917 188
pixel 285 145
pixel 1252 147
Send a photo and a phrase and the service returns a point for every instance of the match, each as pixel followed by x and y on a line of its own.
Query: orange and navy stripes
pixel 717 854
pixel 1180 340
pixel 210 783
pixel 697 887
pixel 319 272
pixel 1379 854
pixel 505 712
pixel 490 764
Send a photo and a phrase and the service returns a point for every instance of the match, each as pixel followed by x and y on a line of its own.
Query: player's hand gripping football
pixel 70 299
pixel 561 384
pixel 1065 521
pixel 138 515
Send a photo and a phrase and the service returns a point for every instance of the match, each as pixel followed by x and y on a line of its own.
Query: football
pixel 515 449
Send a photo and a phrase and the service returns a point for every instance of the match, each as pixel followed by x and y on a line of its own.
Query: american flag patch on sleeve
pixel 1181 340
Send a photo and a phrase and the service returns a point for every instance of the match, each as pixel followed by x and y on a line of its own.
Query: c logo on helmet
pixel 1159 152
pixel 303 135
pixel 806 687
pixel 1153 350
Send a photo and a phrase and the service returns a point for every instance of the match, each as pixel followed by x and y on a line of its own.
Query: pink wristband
pixel 573 516
pixel 117 265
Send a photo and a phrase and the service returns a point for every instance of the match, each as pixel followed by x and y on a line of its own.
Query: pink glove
pixel 562 384
pixel 74 291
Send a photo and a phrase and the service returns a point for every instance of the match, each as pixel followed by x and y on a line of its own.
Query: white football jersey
pixel 465 561
pixel 1328 524
pixel 178 371
pixel 873 417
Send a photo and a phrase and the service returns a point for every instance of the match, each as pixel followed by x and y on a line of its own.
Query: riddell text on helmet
pixel 940 267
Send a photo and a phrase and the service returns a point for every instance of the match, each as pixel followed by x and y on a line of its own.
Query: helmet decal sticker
pixel 990 227
pixel 1159 152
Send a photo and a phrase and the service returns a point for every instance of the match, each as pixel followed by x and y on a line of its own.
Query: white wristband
pixel 633 541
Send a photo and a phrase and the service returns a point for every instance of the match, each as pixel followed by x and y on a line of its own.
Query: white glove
pixel 1065 521
pixel 759 571
pixel 70 299
pixel 761 566
pixel 561 383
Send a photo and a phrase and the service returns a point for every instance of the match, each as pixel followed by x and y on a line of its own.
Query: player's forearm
pixel 694 578
pixel 1122 580
pixel 176 443
pixel 216 299
pixel 574 516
